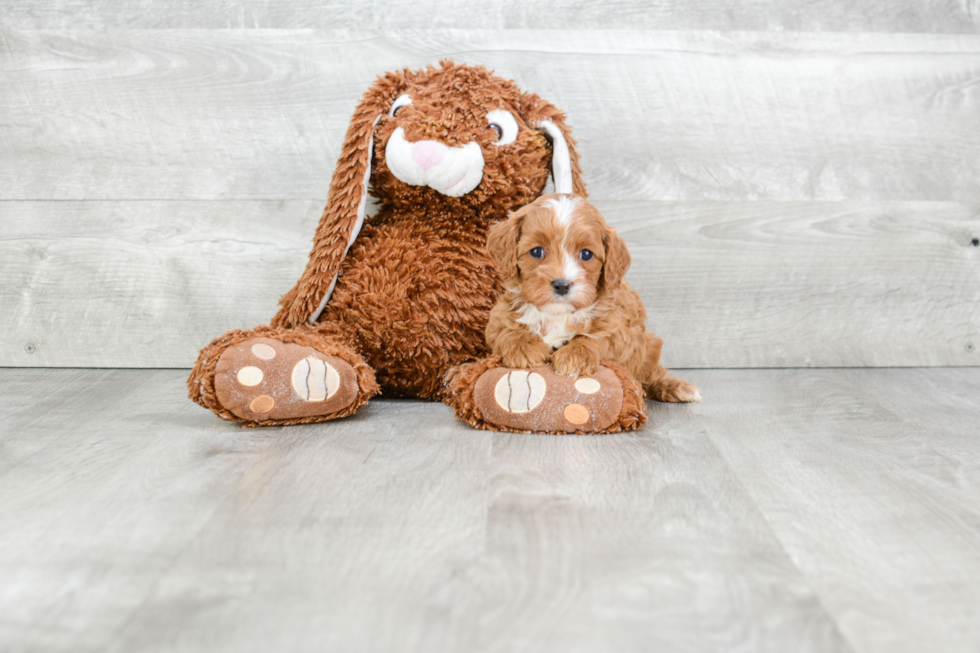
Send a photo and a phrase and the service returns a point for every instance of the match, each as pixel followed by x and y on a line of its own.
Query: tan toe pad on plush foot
pixel 261 379
pixel 541 401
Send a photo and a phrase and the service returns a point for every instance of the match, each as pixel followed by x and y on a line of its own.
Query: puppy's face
pixel 559 251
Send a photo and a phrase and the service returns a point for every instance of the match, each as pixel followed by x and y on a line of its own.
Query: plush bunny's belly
pixel 415 298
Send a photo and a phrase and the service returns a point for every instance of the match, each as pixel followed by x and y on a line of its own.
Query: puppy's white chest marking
pixel 555 330
pixel 555 324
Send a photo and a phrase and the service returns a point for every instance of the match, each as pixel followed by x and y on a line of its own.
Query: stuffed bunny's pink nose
pixel 429 154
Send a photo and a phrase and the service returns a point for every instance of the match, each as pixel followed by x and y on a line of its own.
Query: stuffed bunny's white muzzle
pixel 453 171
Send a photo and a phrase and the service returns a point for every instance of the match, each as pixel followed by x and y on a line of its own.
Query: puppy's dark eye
pixel 537 252
pixel 585 255
pixel 395 110
pixel 498 129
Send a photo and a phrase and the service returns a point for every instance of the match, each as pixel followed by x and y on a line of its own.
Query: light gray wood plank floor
pixel 794 510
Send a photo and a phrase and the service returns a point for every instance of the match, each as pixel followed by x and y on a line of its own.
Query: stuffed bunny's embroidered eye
pixel 399 102
pixel 503 122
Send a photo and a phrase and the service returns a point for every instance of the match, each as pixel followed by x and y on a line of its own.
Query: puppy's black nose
pixel 561 287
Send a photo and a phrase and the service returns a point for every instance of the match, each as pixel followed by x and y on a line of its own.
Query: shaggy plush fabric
pixel 449 105
pixel 410 290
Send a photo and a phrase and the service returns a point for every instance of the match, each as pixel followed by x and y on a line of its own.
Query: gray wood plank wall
pixel 800 187
pixel 940 16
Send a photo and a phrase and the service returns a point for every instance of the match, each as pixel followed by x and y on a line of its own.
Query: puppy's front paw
pixel 526 355
pixel 575 359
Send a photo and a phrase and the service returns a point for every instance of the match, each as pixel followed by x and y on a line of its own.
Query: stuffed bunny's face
pixel 458 137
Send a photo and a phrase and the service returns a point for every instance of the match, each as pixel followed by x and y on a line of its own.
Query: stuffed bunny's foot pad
pixel 263 379
pixel 539 400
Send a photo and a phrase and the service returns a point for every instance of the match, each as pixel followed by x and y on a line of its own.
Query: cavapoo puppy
pixel 565 300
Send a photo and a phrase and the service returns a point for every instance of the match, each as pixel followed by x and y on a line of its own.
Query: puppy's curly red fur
pixel 565 299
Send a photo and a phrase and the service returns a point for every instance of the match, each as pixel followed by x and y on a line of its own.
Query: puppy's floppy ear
pixel 617 261
pixel 344 214
pixel 502 242
pixel 549 119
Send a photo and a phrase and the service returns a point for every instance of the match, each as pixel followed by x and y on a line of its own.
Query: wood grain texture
pixel 776 15
pixel 793 510
pixel 142 284
pixel 870 479
pixel 807 284
pixel 609 543
pixel 361 522
pixel 145 524
pixel 259 114
pixel 105 481
pixel 727 284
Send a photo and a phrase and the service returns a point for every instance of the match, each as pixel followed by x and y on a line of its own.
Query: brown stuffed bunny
pixel 393 303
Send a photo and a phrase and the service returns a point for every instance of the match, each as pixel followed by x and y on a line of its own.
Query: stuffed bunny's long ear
pixel 358 223
pixel 561 162
pixel 549 119
pixel 344 214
